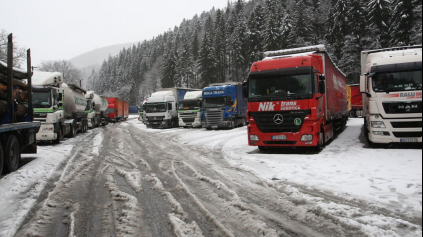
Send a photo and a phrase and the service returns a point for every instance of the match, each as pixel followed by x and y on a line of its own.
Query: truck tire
pixel 233 123
pixel 321 144
pixel 1 159
pixel 72 130
pixel 353 114
pixel 12 154
pixel 59 137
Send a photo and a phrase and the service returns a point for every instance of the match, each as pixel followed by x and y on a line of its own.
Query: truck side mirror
pixel 363 83
pixel 322 77
pixel 322 87
pixel 245 89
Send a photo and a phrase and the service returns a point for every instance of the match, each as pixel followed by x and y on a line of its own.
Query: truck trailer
pixel 355 101
pixel 60 107
pixel 296 98
pixel 224 106
pixel 190 109
pixel 96 110
pixel 115 110
pixel 391 84
pixel 161 109
pixel 17 128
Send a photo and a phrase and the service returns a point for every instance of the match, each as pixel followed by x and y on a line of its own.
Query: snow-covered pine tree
pixel 272 34
pixel 256 25
pixel 207 62
pixel 378 21
pixel 403 20
pixel 302 32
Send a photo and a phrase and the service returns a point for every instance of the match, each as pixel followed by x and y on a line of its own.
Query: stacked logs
pixel 20 92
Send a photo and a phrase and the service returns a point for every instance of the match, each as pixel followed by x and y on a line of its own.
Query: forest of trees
pixel 220 45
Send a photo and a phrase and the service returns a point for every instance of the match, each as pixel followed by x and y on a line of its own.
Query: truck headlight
pixel 254 138
pixel 378 124
pixel 381 133
pixel 307 138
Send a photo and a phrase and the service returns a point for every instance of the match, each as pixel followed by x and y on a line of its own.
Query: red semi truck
pixel 355 99
pixel 296 98
pixel 116 109
pixel 125 110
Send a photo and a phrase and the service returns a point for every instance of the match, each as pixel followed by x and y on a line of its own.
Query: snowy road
pixel 125 180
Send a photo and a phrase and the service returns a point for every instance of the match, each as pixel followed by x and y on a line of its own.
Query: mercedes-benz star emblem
pixel 278 119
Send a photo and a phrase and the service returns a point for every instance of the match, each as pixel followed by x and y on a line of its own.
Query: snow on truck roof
pixel 296 51
pixel 46 78
pixel 193 95
pixel 162 94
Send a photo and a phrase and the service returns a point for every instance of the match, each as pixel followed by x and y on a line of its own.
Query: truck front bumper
pixel 196 124
pixel 395 131
pixel 163 124
pixel 46 133
pixel 309 130
pixel 226 124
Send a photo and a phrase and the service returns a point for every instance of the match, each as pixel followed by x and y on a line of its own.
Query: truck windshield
pixel 397 81
pixel 189 105
pixel 216 102
pixel 42 99
pixel 156 108
pixel 289 87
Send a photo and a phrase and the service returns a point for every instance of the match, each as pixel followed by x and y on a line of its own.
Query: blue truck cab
pixel 224 106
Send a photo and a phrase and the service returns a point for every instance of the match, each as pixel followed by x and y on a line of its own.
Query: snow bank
pixel 20 190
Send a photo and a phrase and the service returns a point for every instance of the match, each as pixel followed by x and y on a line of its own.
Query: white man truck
pixel 96 110
pixel 391 84
pixel 161 109
pixel 58 106
pixel 190 109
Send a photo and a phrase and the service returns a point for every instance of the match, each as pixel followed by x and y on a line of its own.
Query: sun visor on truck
pixel 281 72
pixel 397 67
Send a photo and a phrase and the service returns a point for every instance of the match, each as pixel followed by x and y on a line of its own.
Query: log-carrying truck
pixel 162 107
pixel 391 84
pixel 190 109
pixel 96 110
pixel 17 128
pixel 224 106
pixel 60 107
pixel 296 98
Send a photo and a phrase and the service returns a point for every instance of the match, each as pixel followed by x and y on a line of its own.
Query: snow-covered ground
pixel 386 179
pixel 341 180
pixel 21 189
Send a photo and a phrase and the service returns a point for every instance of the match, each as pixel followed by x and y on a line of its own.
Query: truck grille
pixel 266 121
pixel 155 119
pixel 214 117
pixel 407 134
pixel 403 107
pixel 188 118
pixel 407 124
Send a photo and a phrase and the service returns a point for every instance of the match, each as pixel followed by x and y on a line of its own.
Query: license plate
pixel 215 127
pixel 410 140
pixel 155 123
pixel 278 138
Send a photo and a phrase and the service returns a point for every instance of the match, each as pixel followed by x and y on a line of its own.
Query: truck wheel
pixel 59 137
pixel 72 130
pixel 233 123
pixel 12 154
pixel 321 145
pixel 1 159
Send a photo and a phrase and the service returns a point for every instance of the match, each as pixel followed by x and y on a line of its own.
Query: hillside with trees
pixel 220 45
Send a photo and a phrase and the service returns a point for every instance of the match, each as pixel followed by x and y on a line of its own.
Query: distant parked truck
pixel 133 110
pixel 17 128
pixel 296 98
pixel 190 109
pixel 115 110
pixel 355 101
pixel 162 107
pixel 96 110
pixel 125 110
pixel 392 93
pixel 224 106
pixel 141 110
pixel 60 107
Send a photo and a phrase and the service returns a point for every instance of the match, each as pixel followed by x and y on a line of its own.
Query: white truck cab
pixel 391 84
pixel 161 110
pixel 190 110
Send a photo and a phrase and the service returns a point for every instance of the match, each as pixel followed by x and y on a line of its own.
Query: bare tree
pixel 70 73
pixel 19 56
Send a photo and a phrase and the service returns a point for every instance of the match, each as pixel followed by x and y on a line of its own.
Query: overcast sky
pixel 63 29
